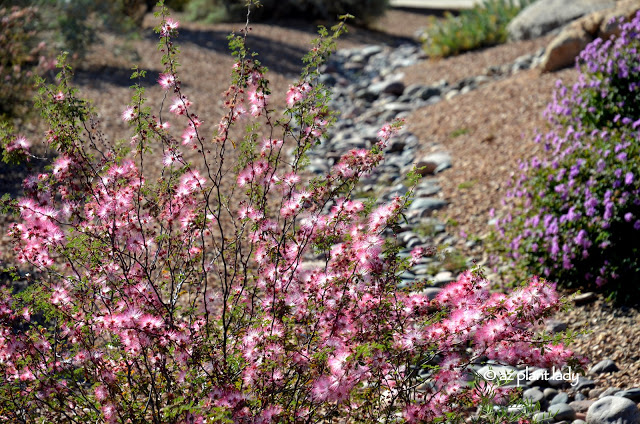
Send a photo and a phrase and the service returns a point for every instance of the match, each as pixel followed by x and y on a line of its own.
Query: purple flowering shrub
pixel 574 215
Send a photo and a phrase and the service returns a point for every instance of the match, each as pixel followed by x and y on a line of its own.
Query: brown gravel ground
pixel 494 124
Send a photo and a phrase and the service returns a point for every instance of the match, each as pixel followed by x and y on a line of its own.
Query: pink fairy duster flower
pixel 291 179
pixel 171 157
pixel 58 97
pixel 163 126
pixel 166 81
pixel 128 114
pixel 60 296
pixel 322 388
pixel 297 93
pixel 110 413
pixel 19 143
pixel 258 101
pixel 385 132
pixel 168 27
pixel 101 393
pixel 190 182
pixel 269 144
pixel 189 136
pixel 61 165
pixel 180 105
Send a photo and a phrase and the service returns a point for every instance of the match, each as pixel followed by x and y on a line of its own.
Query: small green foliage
pixel 459 132
pixel 467 184
pixel 454 261
pixel 484 25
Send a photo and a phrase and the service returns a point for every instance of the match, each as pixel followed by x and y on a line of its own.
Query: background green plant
pixel 483 25
pixel 74 25
pixel 22 57
pixel 329 10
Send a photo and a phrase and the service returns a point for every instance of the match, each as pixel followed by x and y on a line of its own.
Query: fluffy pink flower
pixel 180 105
pixel 169 27
pixel 128 114
pixel 166 81
pixel 19 143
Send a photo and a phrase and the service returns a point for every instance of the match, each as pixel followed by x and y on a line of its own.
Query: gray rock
pixel 583 383
pixel 579 396
pixel 387 87
pixel 427 204
pixel 427 190
pixel 631 394
pixel 431 292
pixel 443 277
pixel 543 417
pixel 396 145
pixel 578 422
pixel 572 39
pixel 517 408
pixel 561 397
pixel 550 393
pixel 366 94
pixel 557 380
pixel 502 373
pixel 613 410
pixel 433 163
pixel 604 366
pixel 555 326
pixel 544 16
pixel 561 411
pixel 398 107
pixel 538 377
pixel 611 391
pixel 581 405
pixel 584 298
pixel 533 395
pixel 451 94
pixel 369 51
pixel 422 92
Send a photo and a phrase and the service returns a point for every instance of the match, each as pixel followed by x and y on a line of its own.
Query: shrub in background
pixel 329 10
pixel 483 25
pixel 575 215
pixel 23 57
pixel 186 297
pixel 73 25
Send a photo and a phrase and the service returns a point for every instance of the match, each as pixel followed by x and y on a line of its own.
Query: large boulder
pixel 563 50
pixel 544 16
pixel 613 410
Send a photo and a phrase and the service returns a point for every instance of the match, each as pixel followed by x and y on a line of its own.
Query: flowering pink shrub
pixel 266 297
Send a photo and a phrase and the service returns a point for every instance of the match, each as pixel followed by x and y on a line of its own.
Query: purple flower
pixel 628 178
pixel 628 216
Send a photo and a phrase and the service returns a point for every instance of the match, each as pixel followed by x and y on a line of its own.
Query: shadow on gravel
pixel 280 57
pixel 101 75
pixel 12 176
